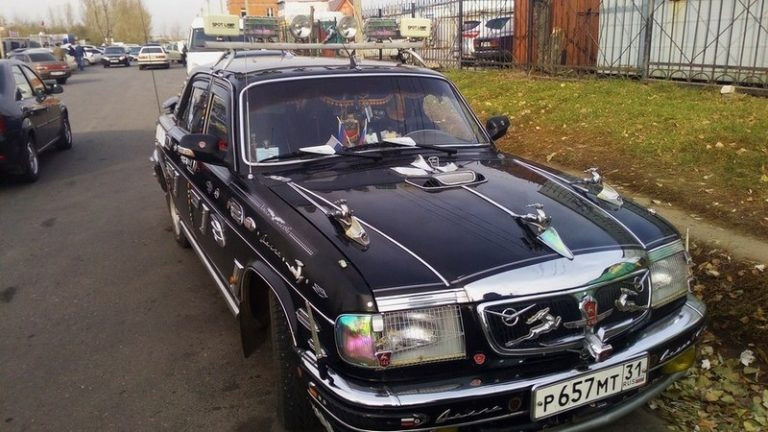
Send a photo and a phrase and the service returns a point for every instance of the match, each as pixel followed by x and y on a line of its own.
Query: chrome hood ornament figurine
pixel 541 225
pixel 349 223
pixel 602 191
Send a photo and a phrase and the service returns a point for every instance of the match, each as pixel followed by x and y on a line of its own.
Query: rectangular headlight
pixel 405 338
pixel 669 274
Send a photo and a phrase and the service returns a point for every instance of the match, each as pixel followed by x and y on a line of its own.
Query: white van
pixel 197 53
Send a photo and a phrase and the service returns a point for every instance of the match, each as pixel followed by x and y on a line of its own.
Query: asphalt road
pixel 105 324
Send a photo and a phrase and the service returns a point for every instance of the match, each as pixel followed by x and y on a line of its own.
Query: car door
pixel 51 104
pixel 220 216
pixel 31 107
pixel 180 169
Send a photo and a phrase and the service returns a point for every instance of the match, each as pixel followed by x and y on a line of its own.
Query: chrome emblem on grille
pixel 624 303
pixel 590 317
pixel 547 324
pixel 594 344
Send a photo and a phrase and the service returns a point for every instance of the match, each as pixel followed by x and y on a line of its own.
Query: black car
pixel 411 275
pixel 115 55
pixel 31 119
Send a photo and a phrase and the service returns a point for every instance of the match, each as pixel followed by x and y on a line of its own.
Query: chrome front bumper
pixel 662 340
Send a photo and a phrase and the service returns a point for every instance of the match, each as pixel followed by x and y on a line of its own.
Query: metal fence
pixel 711 41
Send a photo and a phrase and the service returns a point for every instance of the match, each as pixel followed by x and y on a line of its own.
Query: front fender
pixel 258 273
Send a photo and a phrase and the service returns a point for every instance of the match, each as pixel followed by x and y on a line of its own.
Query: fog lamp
pixel 681 362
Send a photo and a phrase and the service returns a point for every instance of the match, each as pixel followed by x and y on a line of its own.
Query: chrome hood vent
pixel 429 175
pixel 439 181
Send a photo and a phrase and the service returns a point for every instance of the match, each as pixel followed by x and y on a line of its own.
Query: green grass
pixel 690 146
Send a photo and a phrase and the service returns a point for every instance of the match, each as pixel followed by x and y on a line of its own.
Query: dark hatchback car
pixel 115 55
pixel 32 119
pixel 412 277
pixel 44 63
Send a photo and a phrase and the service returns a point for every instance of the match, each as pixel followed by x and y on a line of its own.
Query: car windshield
pixel 115 50
pixel 135 50
pixel 286 116
pixel 199 38
pixel 41 57
pixel 497 23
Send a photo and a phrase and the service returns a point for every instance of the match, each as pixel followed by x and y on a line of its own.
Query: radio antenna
pixel 140 7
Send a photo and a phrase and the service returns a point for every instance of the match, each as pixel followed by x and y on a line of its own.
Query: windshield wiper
pixel 407 142
pixel 299 153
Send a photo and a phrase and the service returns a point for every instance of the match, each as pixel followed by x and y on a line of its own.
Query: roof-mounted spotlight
pixel 301 27
pixel 347 27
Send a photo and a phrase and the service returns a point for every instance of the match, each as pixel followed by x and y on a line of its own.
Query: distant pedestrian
pixel 58 52
pixel 79 55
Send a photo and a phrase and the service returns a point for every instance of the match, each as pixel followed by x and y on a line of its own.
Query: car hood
pixel 421 239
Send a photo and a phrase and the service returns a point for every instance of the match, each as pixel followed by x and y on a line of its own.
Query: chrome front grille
pixel 556 322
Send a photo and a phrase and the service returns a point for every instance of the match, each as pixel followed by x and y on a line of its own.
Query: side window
pixel 218 125
pixel 23 89
pixel 194 113
pixel 34 80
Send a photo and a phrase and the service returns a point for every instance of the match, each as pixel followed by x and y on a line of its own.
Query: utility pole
pixel 2 48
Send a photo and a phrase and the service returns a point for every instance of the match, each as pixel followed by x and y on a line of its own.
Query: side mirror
pixel 55 88
pixel 497 126
pixel 203 148
pixel 169 106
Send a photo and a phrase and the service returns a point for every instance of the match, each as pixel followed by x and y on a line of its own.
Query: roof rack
pixel 405 48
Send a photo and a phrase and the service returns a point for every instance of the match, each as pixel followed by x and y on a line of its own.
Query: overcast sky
pixel 165 13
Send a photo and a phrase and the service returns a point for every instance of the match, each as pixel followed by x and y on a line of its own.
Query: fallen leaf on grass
pixel 747 357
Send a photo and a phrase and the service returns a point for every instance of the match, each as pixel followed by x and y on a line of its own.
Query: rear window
pixel 41 57
pixel 152 50
pixel 497 23
pixel 114 50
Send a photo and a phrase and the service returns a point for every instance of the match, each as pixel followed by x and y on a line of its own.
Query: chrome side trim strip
pixel 223 288
pixel 421 300
pixel 299 189
pixel 569 188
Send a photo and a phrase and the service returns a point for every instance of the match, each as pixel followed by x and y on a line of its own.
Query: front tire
pixel 62 81
pixel 65 139
pixel 30 170
pixel 293 407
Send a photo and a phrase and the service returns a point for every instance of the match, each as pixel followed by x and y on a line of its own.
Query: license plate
pixel 485 44
pixel 114 61
pixel 555 398
pixel 57 73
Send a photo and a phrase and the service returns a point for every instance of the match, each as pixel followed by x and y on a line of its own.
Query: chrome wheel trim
pixel 32 159
pixel 67 132
pixel 175 218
